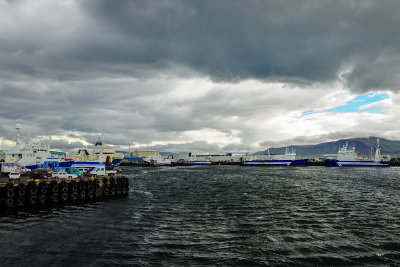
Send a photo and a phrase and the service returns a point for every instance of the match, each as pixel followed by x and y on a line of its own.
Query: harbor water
pixel 220 215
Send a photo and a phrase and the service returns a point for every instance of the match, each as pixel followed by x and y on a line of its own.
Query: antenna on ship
pixel 378 151
pixel 17 132
pixel 98 143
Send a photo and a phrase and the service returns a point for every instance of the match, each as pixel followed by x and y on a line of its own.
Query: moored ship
pixel 159 160
pixel 347 157
pixel 287 159
pixel 85 160
pixel 32 154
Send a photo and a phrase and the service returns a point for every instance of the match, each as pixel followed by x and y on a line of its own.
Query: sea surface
pixel 220 215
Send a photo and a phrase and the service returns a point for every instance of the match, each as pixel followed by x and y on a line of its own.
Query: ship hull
pixel 267 163
pixel 201 162
pixel 356 163
pixel 82 164
pixel 116 161
pixel 299 162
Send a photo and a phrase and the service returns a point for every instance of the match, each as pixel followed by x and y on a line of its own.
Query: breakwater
pixel 39 193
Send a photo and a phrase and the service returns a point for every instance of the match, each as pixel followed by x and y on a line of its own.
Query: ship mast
pixel 378 151
pixel 17 132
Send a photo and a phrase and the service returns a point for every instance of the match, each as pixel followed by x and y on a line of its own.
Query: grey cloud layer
pixel 63 64
pixel 287 40
pixel 297 41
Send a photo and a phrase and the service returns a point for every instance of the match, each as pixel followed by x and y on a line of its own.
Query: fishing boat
pixel 347 157
pixel 287 159
pixel 193 159
pixel 32 154
pixel 110 155
pixel 199 160
pixel 85 160
pixel 158 160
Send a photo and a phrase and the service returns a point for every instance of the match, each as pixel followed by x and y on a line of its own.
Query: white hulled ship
pixel 85 160
pixel 31 154
pixel 159 160
pixel 287 159
pixel 347 157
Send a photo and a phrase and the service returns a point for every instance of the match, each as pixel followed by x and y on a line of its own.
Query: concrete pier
pixel 33 193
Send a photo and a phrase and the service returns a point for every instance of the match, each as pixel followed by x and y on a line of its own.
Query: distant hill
pixel 361 144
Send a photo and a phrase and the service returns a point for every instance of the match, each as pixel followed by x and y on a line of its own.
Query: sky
pixel 201 76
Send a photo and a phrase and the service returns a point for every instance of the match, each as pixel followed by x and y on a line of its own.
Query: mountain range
pixel 362 146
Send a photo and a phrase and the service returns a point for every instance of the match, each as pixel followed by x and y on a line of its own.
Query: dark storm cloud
pixel 118 68
pixel 63 145
pixel 293 41
pixel 309 41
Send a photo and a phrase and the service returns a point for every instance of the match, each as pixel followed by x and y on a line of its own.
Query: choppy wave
pixel 221 215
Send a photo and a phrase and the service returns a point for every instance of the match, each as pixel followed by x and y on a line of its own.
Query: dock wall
pixel 29 194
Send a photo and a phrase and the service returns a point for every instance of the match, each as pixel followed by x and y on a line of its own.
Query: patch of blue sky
pixel 308 112
pixel 355 105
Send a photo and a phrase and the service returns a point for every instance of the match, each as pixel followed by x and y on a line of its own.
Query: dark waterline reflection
pixel 221 215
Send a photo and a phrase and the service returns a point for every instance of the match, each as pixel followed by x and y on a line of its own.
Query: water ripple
pixel 221 215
